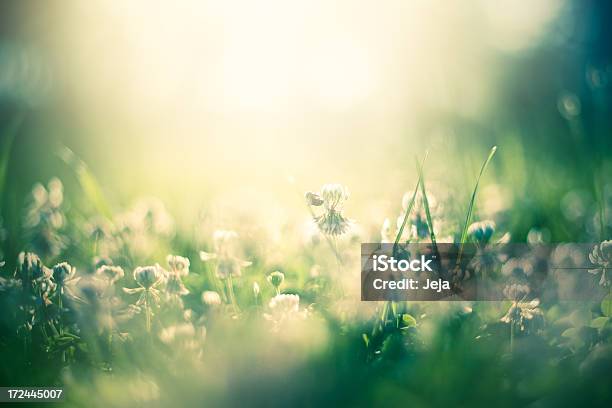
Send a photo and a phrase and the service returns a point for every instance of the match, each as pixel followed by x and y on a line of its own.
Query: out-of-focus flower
pixel 527 316
pixel 110 273
pixel 481 232
pixel 516 291
pixel 44 218
pixel 178 264
pixel 517 268
pixel 332 198
pixel 228 265
pixel 183 336
pixel 64 273
pixel 276 279
pixel 601 257
pixel 211 298
pixel 148 276
pixel 175 287
pixel 283 307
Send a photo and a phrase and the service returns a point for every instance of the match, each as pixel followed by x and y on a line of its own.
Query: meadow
pixel 185 188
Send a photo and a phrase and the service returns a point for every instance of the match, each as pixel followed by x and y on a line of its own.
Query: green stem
pixel 147 312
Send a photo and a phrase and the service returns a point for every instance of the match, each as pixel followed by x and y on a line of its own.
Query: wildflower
pixel 481 232
pixel 184 336
pixel 63 272
pixel 516 291
pixel 64 276
pixel 276 279
pixel 517 268
pixel 175 287
pixel 601 256
pixel 332 197
pixel 228 265
pixel 211 298
pixel 282 308
pixel 44 218
pixel 178 264
pixel 109 273
pixel 148 277
pixel 524 315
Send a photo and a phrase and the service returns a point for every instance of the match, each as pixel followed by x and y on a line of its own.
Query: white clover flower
pixel 178 264
pixel 211 298
pixel 276 278
pixel 285 304
pixel 175 287
pixel 171 333
pixel 516 291
pixel 284 308
pixel 517 267
pixel 63 272
pixel 148 276
pixel 525 315
pixel 228 265
pixel 482 231
pixel 110 273
pixel 334 195
pixel 601 256
pixel 183 335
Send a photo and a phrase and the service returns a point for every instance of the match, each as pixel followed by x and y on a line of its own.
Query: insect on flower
pixel 332 197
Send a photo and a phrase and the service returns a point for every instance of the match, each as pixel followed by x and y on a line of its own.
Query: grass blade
pixel 470 213
pixel 6 148
pixel 409 209
pixel 87 180
pixel 432 234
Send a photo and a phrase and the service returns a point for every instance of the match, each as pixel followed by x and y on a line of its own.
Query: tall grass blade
pixel 470 213
pixel 5 150
pixel 432 234
pixel 409 209
pixel 87 180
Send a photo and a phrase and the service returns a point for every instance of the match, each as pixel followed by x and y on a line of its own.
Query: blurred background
pixel 232 104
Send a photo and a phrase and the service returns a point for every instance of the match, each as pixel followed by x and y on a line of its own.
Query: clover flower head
pixel 517 267
pixel 223 239
pixel 481 231
pixel 334 195
pixel 211 298
pixel 63 272
pixel 332 222
pixel 276 278
pixel 525 315
pixel 175 286
pixel 516 291
pixel 178 264
pixel 601 257
pixel 285 304
pixel 110 273
pixel 148 276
